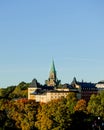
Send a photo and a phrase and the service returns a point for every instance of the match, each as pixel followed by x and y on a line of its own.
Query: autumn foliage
pixel 61 114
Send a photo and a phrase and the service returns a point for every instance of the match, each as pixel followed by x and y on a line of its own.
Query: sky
pixel 33 32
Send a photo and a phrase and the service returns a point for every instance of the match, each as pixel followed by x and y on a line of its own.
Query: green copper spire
pixel 52 80
pixel 53 67
pixel 53 71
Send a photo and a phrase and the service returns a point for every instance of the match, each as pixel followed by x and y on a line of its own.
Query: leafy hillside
pixel 11 92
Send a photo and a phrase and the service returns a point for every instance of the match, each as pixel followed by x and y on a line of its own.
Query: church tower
pixel 52 80
pixel 52 74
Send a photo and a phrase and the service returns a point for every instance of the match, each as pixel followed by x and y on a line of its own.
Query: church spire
pixel 52 80
pixel 52 74
pixel 53 70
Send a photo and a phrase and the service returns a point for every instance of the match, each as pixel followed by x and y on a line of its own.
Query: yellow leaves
pixel 53 115
pixel 23 113
pixel 81 105
pixel 43 121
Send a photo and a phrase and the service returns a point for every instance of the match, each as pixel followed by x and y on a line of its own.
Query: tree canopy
pixel 19 113
pixel 96 105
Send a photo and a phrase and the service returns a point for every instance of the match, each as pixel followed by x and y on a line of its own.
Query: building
pixel 86 88
pixel 33 89
pixel 100 85
pixel 50 94
pixel 50 91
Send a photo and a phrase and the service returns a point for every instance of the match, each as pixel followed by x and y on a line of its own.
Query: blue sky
pixel 32 32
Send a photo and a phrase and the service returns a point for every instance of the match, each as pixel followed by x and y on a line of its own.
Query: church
pixel 51 90
pixel 52 80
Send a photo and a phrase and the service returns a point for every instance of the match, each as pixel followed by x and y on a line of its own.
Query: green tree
pixel 96 105
pixel 71 101
pixel 2 92
pixel 20 91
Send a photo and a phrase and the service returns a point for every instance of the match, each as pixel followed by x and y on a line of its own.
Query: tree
pixel 79 116
pixel 2 93
pixel 79 121
pixel 96 105
pixel 22 113
pixel 2 118
pixel 43 118
pixel 54 115
pixel 81 106
pixel 71 101
pixel 20 91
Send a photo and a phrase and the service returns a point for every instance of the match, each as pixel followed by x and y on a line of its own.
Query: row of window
pixel 91 89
